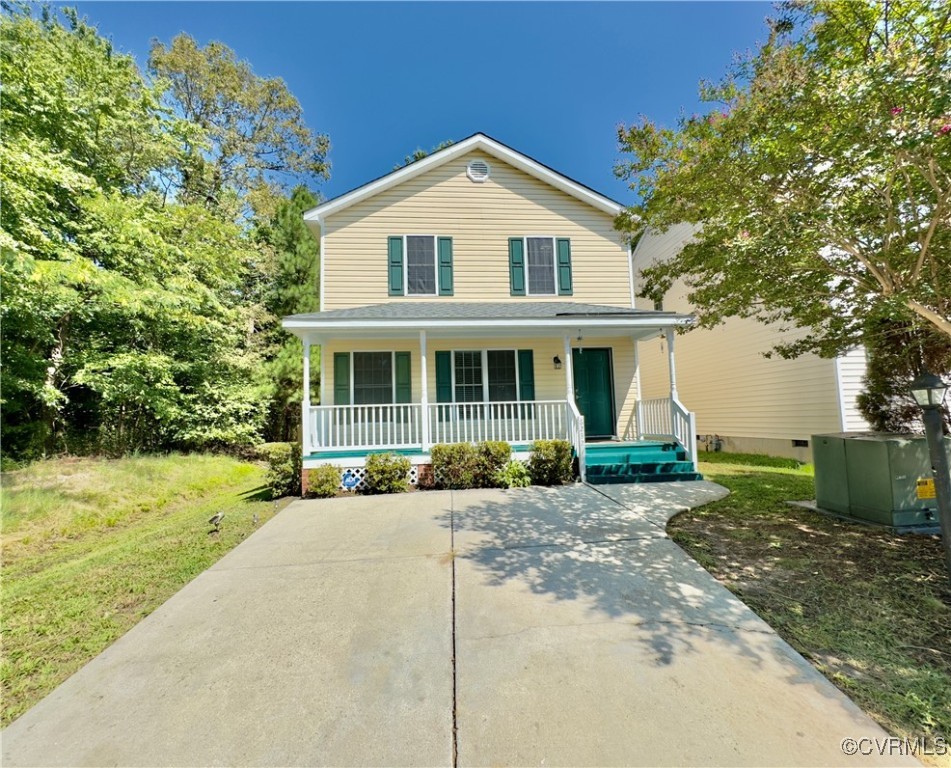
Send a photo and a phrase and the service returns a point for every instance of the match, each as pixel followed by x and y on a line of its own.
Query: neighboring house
pixel 478 294
pixel 749 402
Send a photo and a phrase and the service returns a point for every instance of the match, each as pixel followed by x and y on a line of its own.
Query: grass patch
pixel 91 546
pixel 871 610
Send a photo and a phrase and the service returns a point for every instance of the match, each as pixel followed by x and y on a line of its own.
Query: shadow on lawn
pixel 595 559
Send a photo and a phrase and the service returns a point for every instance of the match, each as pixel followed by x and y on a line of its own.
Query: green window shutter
pixel 445 266
pixel 444 377
pixel 517 266
pixel 404 381
pixel 526 374
pixel 395 261
pixel 564 267
pixel 341 378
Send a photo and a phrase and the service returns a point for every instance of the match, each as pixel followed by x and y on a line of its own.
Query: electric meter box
pixel 880 478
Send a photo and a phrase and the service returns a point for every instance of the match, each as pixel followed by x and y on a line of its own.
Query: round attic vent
pixel 478 170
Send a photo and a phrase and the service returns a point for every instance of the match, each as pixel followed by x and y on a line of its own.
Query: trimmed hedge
pixel 550 462
pixel 283 467
pixel 323 481
pixel 386 473
pixel 455 465
pixel 493 455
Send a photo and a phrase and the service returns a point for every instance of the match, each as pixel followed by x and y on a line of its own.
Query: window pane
pixel 468 377
pixel 372 378
pixel 502 375
pixel 541 265
pixel 420 265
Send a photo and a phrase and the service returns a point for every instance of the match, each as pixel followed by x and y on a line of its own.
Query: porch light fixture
pixel 929 391
pixel 557 361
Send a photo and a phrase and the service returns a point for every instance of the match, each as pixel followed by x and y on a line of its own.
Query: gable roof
pixel 477 141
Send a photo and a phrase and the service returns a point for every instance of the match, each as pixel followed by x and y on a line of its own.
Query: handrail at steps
pixel 576 434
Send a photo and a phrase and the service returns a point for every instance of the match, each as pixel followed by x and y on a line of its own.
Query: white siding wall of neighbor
pixel 480 218
pixel 753 403
pixel 850 371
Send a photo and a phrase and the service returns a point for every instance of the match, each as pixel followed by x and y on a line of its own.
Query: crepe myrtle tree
pixel 819 178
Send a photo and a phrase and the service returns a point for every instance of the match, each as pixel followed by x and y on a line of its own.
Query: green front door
pixel 593 390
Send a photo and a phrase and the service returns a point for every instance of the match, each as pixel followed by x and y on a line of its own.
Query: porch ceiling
pixel 441 319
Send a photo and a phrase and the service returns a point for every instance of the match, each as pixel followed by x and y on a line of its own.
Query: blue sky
pixel 552 80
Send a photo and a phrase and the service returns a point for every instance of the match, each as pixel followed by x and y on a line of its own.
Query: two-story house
pixel 478 294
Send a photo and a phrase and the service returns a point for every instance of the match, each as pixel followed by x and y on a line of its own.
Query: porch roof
pixel 509 318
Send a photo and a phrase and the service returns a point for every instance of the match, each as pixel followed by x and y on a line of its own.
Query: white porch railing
pixel 513 422
pixel 342 427
pixel 366 426
pixel 667 418
pixel 576 434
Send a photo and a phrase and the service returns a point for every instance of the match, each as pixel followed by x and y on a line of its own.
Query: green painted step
pixel 669 468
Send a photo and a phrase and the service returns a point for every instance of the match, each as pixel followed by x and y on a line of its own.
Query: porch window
pixel 372 378
pixel 468 370
pixel 490 375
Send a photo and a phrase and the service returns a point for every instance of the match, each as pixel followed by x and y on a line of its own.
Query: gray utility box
pixel 880 478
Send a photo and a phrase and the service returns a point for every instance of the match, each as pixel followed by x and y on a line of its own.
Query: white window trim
pixel 353 380
pixel 435 239
pixel 485 375
pixel 554 264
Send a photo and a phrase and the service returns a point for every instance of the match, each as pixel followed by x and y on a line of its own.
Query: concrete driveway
pixel 525 627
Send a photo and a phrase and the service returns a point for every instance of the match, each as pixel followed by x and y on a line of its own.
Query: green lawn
pixel 92 546
pixel 871 610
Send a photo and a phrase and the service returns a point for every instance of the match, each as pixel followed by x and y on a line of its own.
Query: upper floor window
pixel 419 265
pixel 540 266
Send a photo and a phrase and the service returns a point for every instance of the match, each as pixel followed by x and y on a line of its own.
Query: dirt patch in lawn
pixel 871 609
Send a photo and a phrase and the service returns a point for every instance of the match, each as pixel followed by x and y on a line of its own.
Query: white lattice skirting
pixel 353 478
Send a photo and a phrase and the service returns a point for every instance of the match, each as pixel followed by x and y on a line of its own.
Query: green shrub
pixel 386 473
pixel 323 481
pixel 492 456
pixel 550 462
pixel 283 467
pixel 455 465
pixel 513 475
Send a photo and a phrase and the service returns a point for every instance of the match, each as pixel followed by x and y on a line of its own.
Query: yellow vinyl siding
pixel 723 376
pixel 549 383
pixel 480 218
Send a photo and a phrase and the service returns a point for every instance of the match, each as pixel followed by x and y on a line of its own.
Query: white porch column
pixel 569 373
pixel 424 391
pixel 671 364
pixel 305 402
pixel 637 391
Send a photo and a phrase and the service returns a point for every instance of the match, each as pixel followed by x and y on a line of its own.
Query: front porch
pixel 569 375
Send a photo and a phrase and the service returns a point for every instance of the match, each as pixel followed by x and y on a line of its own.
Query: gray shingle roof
pixel 439 310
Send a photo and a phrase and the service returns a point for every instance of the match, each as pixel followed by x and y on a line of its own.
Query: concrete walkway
pixel 524 627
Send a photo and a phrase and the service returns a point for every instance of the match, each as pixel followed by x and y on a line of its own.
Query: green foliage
pixel 514 474
pixel 139 305
pixel 419 153
pixel 292 288
pixel 493 455
pixel 386 473
pixel 455 465
pixel 252 130
pixel 550 462
pixel 820 182
pixel 283 468
pixel 749 459
pixel 323 481
pixel 896 351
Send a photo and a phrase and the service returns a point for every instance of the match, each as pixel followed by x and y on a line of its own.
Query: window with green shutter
pixel 540 266
pixel 420 265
